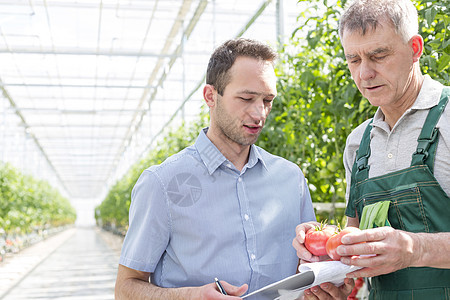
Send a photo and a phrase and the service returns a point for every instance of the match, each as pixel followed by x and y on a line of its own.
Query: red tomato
pixel 316 240
pixel 334 241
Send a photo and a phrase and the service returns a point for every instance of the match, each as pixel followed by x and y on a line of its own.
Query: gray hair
pixel 224 56
pixel 364 15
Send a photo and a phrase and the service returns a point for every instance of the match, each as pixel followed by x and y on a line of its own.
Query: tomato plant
pixel 335 241
pixel 316 239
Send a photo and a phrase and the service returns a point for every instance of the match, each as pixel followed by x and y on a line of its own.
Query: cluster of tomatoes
pixel 325 239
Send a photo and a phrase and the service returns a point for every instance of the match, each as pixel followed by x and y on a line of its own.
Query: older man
pixel 398 160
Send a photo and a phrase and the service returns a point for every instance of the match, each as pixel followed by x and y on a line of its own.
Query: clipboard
pixel 311 274
pixel 281 288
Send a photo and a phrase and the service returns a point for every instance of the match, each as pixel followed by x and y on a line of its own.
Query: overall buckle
pixel 425 143
pixel 362 162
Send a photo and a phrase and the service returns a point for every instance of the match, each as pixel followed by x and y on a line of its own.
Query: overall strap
pixel 426 143
pixel 361 165
pixel 360 170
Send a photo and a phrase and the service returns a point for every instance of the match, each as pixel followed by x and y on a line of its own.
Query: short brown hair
pixel 225 55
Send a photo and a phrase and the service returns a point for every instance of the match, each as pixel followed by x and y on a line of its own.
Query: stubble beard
pixel 227 126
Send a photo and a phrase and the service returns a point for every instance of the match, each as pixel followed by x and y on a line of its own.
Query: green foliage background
pixel 27 204
pixel 318 106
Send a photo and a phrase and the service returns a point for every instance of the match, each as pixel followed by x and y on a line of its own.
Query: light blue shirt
pixel 196 217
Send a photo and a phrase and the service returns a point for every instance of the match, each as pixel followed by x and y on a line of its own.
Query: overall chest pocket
pixel 406 209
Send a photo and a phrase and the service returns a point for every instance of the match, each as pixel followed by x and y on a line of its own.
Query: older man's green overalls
pixel 417 204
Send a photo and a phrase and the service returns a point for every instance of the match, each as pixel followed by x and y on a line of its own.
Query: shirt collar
pixel 212 158
pixel 254 157
pixel 429 96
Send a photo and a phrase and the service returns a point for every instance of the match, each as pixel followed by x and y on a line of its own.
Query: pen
pixel 220 287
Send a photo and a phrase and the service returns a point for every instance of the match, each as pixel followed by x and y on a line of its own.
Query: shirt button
pixel 390 155
pixel 229 166
pixel 240 179
pixel 253 256
pixel 246 217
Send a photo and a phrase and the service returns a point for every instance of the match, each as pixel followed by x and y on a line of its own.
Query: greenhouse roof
pixel 88 86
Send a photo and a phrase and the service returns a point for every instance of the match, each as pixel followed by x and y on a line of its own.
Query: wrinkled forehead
pixel 381 26
pixel 382 36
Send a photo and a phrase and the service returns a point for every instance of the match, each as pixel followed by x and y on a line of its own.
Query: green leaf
pixel 430 15
pixel 443 62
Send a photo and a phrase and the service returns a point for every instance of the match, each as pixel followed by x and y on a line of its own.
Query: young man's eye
pixel 245 99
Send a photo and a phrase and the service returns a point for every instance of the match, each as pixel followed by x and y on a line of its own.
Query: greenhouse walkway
pixel 78 263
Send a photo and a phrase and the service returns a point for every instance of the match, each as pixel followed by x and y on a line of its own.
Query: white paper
pixel 328 271
pixel 324 271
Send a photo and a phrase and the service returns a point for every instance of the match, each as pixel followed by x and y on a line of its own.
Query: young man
pixel 400 158
pixel 223 207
